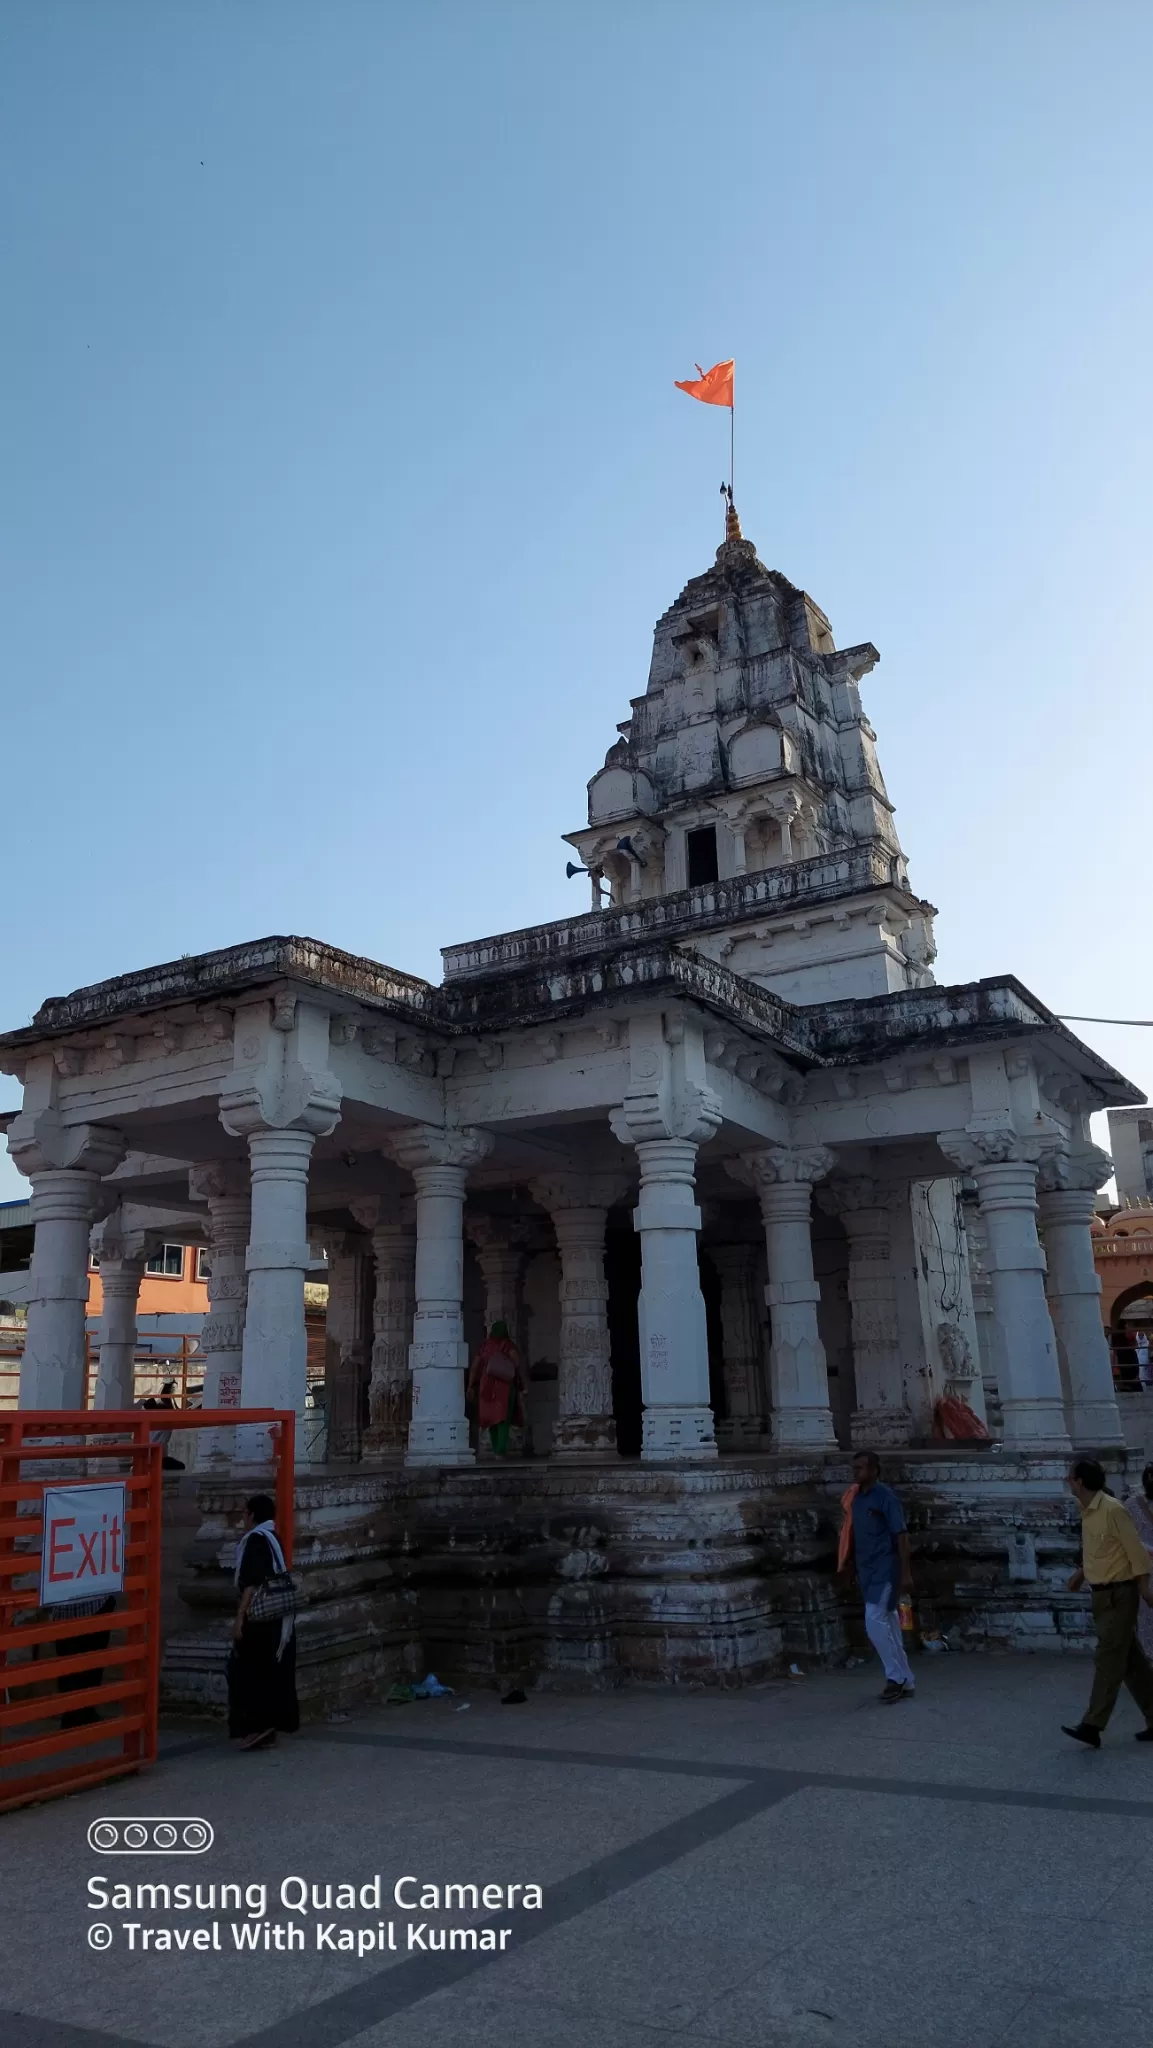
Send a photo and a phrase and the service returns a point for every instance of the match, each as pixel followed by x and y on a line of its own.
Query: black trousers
pixel 79 1681
pixel 1119 1660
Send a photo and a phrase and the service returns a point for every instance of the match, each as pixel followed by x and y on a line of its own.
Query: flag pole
pixel 732 443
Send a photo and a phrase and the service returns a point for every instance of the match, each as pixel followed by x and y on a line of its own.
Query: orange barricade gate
pixel 47 1748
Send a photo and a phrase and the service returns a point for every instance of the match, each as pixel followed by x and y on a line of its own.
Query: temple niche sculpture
pixel 717 1149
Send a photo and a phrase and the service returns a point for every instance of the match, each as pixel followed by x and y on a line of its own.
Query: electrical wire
pixel 1139 1023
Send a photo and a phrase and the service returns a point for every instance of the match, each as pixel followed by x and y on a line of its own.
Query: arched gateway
pixel 701 1146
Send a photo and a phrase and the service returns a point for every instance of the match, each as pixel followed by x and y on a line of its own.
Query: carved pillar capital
pixel 557 1192
pixel 860 1195
pixel 1083 1168
pixel 218 1180
pixel 782 1166
pixel 384 1212
pixel 116 1243
pixel 693 1114
pixel 972 1150
pixel 41 1142
pixel 280 1078
pixel 421 1148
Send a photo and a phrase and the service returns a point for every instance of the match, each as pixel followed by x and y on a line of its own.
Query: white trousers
pixel 883 1625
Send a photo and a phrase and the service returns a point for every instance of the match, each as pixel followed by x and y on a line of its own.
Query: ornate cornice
pixel 540 978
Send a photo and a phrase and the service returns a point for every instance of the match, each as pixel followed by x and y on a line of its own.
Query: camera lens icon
pixel 151 1835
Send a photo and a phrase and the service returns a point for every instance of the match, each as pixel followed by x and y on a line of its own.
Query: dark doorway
pixel 701 848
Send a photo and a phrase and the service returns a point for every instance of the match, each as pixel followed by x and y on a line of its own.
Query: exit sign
pixel 83 1546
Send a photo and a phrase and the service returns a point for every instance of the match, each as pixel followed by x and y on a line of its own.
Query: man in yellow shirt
pixel 1115 1567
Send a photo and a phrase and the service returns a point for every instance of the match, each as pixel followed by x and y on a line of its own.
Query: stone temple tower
pixel 744 795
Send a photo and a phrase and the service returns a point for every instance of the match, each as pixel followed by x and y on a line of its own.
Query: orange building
pixel 1123 1256
pixel 174 1284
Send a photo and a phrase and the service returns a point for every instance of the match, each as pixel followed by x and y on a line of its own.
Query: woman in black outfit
pixel 262 1666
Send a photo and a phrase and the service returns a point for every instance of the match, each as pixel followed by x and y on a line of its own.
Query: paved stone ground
pixel 793 1866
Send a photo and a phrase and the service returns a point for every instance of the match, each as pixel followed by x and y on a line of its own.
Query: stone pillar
pixel 116 1373
pixel 977 1255
pixel 502 1250
pixel 745 1427
pixel 667 1112
pixel 1004 1167
pixel 501 1259
pixel 392 1225
pixel 225 1187
pixel 585 1427
pixel 123 1255
pixel 866 1207
pixel 783 1177
pixel 1068 1182
pixel 439 1161
pixel 274 1356
pixel 674 1345
pixel 346 1344
pixel 65 1164
pixel 281 1097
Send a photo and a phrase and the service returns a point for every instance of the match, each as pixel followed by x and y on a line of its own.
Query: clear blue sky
pixel 344 475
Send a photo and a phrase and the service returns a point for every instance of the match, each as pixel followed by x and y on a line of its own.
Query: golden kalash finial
pixel 732 519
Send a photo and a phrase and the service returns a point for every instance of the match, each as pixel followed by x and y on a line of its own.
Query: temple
pixel 748 1186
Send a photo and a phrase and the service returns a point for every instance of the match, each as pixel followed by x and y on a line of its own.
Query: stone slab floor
pixel 786 1867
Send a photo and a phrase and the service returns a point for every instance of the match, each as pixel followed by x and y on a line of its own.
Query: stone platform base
pixel 589 1576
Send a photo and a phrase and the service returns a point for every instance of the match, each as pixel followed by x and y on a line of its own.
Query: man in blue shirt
pixel 881 1555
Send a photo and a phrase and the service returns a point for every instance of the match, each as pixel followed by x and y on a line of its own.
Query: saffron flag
pixel 712 387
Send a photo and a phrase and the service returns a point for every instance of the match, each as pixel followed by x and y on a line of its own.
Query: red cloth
pixel 497 1390
pixel 954 1419
pixel 495 1401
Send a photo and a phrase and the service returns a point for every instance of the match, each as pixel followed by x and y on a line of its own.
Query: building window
pixel 701 847
pixel 168 1263
pixel 203 1263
